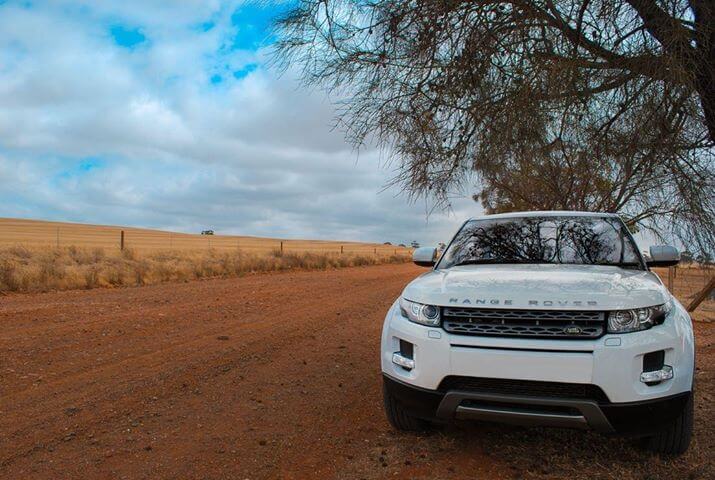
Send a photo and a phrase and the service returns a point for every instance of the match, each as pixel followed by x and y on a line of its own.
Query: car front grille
pixel 528 388
pixel 524 323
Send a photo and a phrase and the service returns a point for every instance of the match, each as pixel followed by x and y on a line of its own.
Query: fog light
pixel 404 362
pixel 665 373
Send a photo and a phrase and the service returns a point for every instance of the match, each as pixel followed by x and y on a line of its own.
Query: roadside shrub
pixel 44 269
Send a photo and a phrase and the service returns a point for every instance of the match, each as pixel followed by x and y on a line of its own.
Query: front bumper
pixel 614 363
pixel 634 418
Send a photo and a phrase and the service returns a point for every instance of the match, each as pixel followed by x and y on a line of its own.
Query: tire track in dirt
pixel 180 362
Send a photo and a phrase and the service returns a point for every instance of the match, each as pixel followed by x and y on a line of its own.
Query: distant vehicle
pixel 542 318
pixel 207 232
pixel 415 244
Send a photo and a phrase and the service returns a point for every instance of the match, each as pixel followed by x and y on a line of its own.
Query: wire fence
pixel 686 280
pixel 35 234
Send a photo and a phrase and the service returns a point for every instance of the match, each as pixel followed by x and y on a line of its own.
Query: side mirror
pixel 424 256
pixel 663 256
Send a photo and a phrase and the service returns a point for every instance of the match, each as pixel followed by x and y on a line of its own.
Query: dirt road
pixel 266 376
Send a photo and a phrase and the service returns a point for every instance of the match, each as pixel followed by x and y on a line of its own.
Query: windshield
pixel 559 240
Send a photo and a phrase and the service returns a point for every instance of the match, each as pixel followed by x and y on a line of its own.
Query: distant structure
pixel 207 232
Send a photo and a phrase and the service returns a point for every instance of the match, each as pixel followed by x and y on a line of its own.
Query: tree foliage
pixel 536 104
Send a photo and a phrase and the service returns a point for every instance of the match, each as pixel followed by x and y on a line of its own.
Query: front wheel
pixel 399 417
pixel 675 439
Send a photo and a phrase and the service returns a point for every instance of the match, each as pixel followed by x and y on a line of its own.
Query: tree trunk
pixel 677 40
pixel 705 64
pixel 706 90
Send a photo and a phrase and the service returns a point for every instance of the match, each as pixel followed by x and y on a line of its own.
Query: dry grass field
pixel 39 256
pixel 38 233
pixel 42 269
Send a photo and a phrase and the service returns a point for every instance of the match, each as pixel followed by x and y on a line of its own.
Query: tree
pixel 596 105
pixel 704 259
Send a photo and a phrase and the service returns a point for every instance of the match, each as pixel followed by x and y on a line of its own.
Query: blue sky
pixel 165 114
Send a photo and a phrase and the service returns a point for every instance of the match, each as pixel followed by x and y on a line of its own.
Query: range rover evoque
pixel 542 318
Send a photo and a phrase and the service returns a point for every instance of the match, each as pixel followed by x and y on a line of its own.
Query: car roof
pixel 548 213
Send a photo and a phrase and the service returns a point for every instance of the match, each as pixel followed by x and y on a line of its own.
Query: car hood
pixel 571 287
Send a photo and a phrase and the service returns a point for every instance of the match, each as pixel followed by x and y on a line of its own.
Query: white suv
pixel 542 318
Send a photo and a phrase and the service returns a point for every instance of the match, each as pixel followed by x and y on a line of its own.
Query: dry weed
pixel 43 269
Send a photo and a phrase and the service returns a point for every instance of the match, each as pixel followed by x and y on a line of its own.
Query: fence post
pixel 702 295
pixel 375 250
pixel 671 277
pixel 341 249
pixel 58 237
pixel 281 246
pixel 121 240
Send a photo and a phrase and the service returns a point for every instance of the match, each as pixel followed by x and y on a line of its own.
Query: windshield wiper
pixel 496 261
pixel 616 264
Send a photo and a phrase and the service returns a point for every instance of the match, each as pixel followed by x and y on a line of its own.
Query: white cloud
pixel 167 148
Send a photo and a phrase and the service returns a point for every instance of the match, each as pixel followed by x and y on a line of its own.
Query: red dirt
pixel 267 376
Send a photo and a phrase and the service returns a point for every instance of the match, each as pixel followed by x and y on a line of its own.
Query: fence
pixel 686 280
pixel 30 233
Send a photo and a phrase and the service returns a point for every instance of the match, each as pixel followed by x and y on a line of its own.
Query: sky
pixel 167 114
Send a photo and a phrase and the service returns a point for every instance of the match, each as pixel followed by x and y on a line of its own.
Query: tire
pixel 398 416
pixel 675 439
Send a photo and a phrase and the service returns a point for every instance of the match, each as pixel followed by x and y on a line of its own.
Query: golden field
pixel 38 233
pixel 39 256
pixel 42 256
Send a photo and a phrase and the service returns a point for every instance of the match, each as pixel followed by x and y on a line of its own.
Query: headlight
pixel 623 321
pixel 419 313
